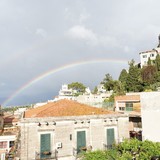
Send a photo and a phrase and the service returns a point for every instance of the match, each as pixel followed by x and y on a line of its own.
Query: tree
pixel 129 150
pixel 79 87
pixel 134 82
pixel 149 62
pixel 148 74
pixel 95 90
pixel 157 62
pixel 108 82
pixel 118 88
pixel 123 78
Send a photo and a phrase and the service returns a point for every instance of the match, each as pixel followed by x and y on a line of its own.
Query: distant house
pixel 93 99
pixel 9 135
pixel 64 128
pixel 130 104
pixel 86 98
pixel 6 143
pixel 144 56
pixel 127 103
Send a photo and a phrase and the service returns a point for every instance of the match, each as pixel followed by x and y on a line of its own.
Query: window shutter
pixel 45 144
pixel 110 136
pixel 81 140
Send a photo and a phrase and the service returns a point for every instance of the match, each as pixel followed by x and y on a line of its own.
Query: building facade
pixel 64 128
pixel 127 103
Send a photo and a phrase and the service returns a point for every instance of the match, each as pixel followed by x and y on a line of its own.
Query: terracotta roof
pixel 153 50
pixel 128 98
pixel 10 119
pixel 64 108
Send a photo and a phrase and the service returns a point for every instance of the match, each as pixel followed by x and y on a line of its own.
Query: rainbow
pixel 55 70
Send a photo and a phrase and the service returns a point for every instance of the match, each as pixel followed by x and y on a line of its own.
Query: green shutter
pixel 129 106
pixel 81 140
pixel 45 144
pixel 110 136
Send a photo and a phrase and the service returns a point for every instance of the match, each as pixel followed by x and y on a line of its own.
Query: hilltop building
pixel 68 93
pixel 144 56
pixel 94 99
pixel 64 128
pixel 86 98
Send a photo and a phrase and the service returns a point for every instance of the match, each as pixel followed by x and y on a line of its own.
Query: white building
pixel 87 98
pixel 101 88
pixel 65 92
pixel 93 99
pixel 64 128
pixel 150 111
pixel 6 142
pixel 144 56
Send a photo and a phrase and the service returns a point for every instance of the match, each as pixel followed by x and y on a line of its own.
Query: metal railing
pixel 46 155
pixel 105 146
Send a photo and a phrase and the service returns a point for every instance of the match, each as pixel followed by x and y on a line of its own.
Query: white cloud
pixel 41 32
pixel 81 32
pixel 83 17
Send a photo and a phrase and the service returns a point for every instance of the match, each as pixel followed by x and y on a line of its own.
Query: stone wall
pixel 64 131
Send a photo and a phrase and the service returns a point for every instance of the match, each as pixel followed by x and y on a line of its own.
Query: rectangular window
pixel 3 144
pixel 129 106
pixel 81 141
pixel 121 108
pixel 11 143
pixel 45 145
pixel 110 137
pixel 144 56
pixel 152 55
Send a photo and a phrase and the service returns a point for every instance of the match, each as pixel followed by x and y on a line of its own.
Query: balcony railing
pixel 105 146
pixel 46 155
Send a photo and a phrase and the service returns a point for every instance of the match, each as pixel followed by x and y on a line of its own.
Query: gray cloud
pixel 38 36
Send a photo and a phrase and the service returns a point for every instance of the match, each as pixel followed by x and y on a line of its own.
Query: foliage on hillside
pixel 136 79
pixel 78 87
pixel 127 150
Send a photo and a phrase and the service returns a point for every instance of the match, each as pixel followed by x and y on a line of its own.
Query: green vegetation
pixel 95 90
pixel 78 87
pixel 127 150
pixel 12 109
pixel 136 79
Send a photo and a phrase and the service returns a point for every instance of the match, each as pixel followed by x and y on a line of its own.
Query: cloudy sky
pixel 46 43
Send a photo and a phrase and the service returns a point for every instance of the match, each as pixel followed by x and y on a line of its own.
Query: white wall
pixel 150 110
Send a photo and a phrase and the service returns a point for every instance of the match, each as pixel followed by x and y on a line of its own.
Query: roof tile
pixel 64 108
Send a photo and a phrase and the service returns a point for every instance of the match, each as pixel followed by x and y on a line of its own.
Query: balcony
pixel 47 155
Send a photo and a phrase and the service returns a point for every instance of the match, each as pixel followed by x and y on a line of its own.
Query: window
pixel 144 56
pixel 110 137
pixel 81 141
pixel 45 145
pixel 129 106
pixel 121 108
pixel 11 143
pixel 3 144
pixel 152 55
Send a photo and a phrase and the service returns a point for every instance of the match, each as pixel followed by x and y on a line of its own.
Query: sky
pixel 47 43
